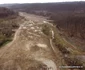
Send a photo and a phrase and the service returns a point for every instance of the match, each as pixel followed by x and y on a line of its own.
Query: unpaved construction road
pixel 30 48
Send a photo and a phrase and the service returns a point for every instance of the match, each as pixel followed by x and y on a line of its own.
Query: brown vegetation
pixel 67 16
pixel 8 22
pixel 5 12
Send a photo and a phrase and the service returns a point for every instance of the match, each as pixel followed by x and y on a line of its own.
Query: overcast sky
pixel 34 1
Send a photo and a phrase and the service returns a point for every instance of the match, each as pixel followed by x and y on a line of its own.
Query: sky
pixel 34 1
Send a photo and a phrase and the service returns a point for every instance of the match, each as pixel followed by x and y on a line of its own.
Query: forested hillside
pixel 68 16
pixel 4 12
pixel 8 24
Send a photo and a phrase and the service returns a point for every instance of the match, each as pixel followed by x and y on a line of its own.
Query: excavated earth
pixel 30 48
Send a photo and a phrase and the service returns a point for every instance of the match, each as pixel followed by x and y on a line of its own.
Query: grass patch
pixel 46 29
pixel 4 42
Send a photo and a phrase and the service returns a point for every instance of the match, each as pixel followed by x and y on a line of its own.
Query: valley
pixel 43 40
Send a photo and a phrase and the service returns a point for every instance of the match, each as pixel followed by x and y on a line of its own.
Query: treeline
pixel 73 24
pixel 5 12
pixel 50 7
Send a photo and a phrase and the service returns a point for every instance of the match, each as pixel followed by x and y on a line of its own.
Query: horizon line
pixel 43 2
